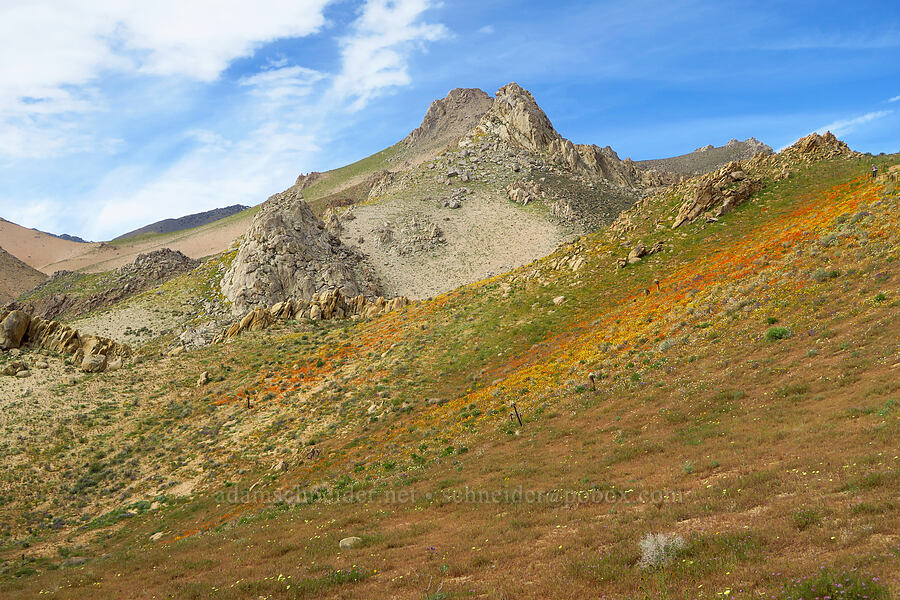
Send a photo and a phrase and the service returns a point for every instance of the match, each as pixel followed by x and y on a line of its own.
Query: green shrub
pixel 806 518
pixel 777 333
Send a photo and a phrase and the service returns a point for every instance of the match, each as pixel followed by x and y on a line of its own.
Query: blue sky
pixel 113 115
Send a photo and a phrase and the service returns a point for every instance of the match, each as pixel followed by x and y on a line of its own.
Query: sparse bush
pixel 777 333
pixel 771 320
pixel 806 518
pixel 657 549
pixel 847 586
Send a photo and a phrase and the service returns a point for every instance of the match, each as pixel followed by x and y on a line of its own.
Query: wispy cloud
pixel 845 126
pixel 894 99
pixel 375 56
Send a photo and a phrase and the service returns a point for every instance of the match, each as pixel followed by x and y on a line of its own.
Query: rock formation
pixel 718 193
pixel 18 328
pixel 147 271
pixel 523 192
pixel 516 120
pixel 817 147
pixel 329 305
pixel 287 254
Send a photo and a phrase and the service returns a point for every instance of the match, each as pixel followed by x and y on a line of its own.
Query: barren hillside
pixel 16 277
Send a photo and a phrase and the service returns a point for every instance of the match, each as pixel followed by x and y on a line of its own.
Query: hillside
pixel 734 383
pixel 186 222
pixel 708 158
pixel 37 249
pixel 493 187
pixel 48 253
pixel 16 277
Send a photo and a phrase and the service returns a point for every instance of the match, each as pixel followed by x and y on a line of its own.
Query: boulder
pixel 13 329
pixel 636 254
pixel 11 369
pixel 349 542
pixel 93 363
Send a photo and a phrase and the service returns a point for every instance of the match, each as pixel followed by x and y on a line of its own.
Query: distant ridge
pixel 186 222
pixel 708 158
pixel 66 236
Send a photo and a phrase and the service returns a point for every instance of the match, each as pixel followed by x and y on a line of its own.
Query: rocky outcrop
pixel 306 180
pixel 329 305
pixel 18 328
pixel 817 147
pixel 517 121
pixel 381 183
pixel 287 254
pixel 524 192
pixel 718 193
pixel 145 272
pixel 155 267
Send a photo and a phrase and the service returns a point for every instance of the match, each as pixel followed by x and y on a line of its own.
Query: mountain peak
pixel 516 118
pixel 448 119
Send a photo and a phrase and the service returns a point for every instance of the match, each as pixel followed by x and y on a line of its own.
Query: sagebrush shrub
pixel 777 333
pixel 657 549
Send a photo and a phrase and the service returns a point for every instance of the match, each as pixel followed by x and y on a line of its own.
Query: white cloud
pixel 54 50
pixel 51 43
pixel 487 29
pixel 282 83
pixel 845 126
pixel 375 56
pixel 894 99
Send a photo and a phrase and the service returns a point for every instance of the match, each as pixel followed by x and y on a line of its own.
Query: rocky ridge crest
pixel 516 121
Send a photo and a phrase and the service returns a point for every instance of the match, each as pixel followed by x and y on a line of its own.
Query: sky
pixel 118 113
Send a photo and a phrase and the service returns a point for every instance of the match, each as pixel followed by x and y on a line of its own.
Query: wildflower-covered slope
pixel 746 388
